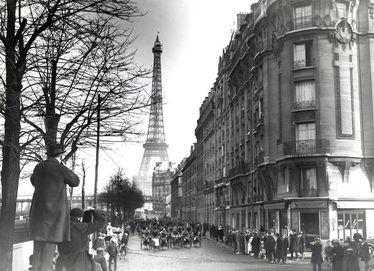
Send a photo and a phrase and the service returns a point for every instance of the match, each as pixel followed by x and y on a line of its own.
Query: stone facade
pixel 285 136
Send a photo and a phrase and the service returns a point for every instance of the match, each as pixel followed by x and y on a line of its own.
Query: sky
pixel 193 34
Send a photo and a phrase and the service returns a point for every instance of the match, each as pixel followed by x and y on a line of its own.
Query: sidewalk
pixel 307 254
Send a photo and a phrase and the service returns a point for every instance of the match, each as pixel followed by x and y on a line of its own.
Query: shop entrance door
pixel 310 227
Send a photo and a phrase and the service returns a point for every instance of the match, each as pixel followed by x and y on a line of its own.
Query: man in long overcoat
pixel 270 246
pixel 279 250
pixel 256 245
pixel 49 211
pixel 316 259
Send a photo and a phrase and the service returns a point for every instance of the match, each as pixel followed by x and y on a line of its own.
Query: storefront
pixel 355 217
pixel 312 218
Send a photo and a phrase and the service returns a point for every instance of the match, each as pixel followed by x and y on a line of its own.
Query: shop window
pixel 350 223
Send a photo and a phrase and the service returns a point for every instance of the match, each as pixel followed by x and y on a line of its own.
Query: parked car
pixel 370 242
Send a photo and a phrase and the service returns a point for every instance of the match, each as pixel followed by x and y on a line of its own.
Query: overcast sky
pixel 193 34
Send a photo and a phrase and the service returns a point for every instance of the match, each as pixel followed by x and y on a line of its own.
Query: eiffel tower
pixel 155 148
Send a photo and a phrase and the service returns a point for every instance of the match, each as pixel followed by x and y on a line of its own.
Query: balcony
pixel 302 22
pixel 306 147
pixel 241 169
pixel 305 105
pixel 302 63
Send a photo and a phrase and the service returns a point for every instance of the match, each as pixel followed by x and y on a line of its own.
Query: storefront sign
pixel 355 204
pixel 309 204
pixel 275 206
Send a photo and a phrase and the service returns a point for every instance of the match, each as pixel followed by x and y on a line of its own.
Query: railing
pixel 301 63
pixel 240 169
pixel 302 22
pixel 300 105
pixel 306 147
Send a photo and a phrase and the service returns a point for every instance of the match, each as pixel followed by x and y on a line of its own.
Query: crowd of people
pixel 277 248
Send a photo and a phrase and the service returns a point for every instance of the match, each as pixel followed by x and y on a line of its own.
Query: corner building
pixel 286 132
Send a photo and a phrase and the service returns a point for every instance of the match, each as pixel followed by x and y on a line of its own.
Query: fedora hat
pixel 55 149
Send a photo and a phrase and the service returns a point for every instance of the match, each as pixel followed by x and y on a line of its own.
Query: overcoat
pixel 270 243
pixel 295 243
pixel 350 262
pixel 74 255
pixel 279 250
pixel 49 211
pixel 256 242
pixel 316 253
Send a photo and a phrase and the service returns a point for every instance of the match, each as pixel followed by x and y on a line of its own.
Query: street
pixel 210 256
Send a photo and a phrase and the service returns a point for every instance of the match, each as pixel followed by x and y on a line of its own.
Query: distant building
pixel 162 175
pixel 189 181
pixel 176 192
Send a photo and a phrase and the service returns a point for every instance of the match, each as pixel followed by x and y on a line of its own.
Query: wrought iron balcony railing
pixel 302 63
pixel 306 147
pixel 302 22
pixel 304 105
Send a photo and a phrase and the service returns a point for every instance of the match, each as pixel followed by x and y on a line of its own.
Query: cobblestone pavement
pixel 209 257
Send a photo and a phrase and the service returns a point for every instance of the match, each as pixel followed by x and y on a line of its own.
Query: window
pixel 302 54
pixel 308 179
pixel 305 91
pixel 306 138
pixel 305 95
pixel 302 17
pixel 306 131
pixel 341 11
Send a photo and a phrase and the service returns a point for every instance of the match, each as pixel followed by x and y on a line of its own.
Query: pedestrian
pixel 256 245
pixel 112 250
pixel 49 211
pixel 286 246
pixel 317 259
pixel 220 233
pixel 301 244
pixel 270 247
pixel 294 246
pixel 327 254
pixel 350 260
pixel 100 259
pixel 365 253
pixel 337 254
pixel 279 250
pixel 73 255
pixel 99 241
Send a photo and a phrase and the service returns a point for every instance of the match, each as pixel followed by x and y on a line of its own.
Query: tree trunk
pixel 10 170
pixel 11 149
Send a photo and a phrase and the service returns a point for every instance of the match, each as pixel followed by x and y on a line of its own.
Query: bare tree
pixel 59 56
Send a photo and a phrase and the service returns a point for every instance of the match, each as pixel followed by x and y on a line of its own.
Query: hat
pixel 99 249
pixel 55 149
pixel 77 212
